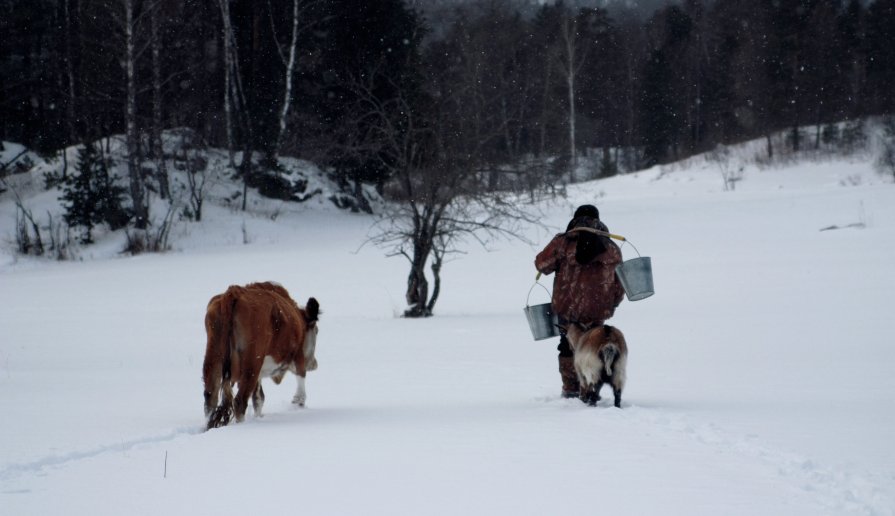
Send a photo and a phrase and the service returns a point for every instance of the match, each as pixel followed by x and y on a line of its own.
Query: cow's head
pixel 311 313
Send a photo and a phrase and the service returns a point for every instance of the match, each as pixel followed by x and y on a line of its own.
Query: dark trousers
pixel 564 349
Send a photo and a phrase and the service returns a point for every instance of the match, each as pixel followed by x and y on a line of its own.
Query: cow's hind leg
pixel 247 385
pixel 211 394
pixel 300 394
pixel 258 400
pixel 221 415
pixel 211 378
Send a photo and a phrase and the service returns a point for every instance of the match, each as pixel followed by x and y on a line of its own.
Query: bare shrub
pixel 153 239
pixel 28 237
pixel 32 239
pixel 731 173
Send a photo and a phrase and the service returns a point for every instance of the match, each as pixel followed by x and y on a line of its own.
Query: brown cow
pixel 253 332
pixel 601 355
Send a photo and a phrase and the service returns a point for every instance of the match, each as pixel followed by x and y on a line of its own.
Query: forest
pixel 497 81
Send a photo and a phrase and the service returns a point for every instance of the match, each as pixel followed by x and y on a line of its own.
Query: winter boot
pixel 570 386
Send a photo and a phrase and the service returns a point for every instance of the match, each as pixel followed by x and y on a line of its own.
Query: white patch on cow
pixel 268 367
pixel 310 348
pixel 273 369
pixel 300 395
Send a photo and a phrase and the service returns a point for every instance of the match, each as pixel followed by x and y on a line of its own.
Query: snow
pixel 760 374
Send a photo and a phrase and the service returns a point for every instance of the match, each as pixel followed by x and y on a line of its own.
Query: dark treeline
pixel 336 81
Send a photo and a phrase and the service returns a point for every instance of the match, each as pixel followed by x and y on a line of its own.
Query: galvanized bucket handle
pixel 538 284
pixel 606 234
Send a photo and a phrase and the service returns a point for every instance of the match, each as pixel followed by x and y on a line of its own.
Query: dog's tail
pixel 608 354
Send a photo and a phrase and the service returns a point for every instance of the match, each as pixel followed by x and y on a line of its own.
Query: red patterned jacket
pixel 587 293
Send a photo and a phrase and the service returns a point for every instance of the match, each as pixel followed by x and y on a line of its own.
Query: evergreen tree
pixel 881 55
pixel 370 49
pixel 853 56
pixel 657 112
pixel 600 86
pixel 91 197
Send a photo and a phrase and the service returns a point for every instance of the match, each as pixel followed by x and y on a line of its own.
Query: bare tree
pixel 439 195
pixel 194 161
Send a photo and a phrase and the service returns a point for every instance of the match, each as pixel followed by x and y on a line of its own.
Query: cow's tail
pixel 224 412
pixel 228 302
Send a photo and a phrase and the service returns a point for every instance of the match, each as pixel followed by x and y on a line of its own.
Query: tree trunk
pixel 236 93
pixel 573 153
pixel 362 203
pixel 417 284
pixel 290 69
pixel 245 169
pixel 141 212
pixel 569 29
pixel 817 132
pixel 437 261
pixel 607 168
pixel 228 77
pixel 157 144
pixel 70 109
pixel 545 108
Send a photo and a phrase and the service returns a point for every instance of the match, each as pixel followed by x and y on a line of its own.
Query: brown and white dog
pixel 601 356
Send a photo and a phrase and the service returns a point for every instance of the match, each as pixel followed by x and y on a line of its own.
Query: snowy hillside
pixel 760 376
pixel 222 220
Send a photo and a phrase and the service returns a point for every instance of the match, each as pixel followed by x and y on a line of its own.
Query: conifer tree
pixel 91 197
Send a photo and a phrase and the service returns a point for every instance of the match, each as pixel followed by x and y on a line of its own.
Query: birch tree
pixel 157 144
pixel 235 92
pixel 228 76
pixel 71 105
pixel 573 59
pixel 290 71
pixel 141 210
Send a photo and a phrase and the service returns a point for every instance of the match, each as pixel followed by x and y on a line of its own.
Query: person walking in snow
pixel 586 289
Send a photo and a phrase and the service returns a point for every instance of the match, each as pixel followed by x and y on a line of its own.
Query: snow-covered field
pixel 761 375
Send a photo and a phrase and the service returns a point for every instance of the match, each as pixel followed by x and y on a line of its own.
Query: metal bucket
pixel 541 318
pixel 636 276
